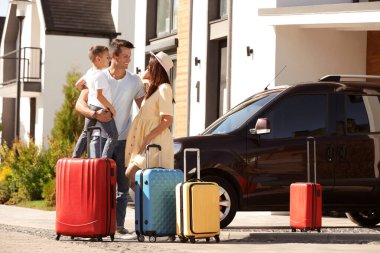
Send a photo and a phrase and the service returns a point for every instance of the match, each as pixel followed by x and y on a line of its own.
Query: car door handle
pixel 330 153
pixel 342 153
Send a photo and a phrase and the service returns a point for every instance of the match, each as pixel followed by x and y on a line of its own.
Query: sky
pixel 3 7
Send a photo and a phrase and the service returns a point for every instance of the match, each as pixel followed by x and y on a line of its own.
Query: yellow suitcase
pixel 197 207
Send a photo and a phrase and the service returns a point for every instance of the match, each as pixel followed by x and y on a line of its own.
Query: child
pixel 99 97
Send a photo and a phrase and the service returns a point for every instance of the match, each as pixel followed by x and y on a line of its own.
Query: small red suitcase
pixel 306 200
pixel 85 197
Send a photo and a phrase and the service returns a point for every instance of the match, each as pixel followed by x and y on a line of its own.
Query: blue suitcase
pixel 155 205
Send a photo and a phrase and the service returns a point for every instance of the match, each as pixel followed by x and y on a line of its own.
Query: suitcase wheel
pixel 171 238
pixel 294 230
pixel 112 237
pixel 72 237
pixel 208 239
pixel 217 239
pixel 192 239
pixel 152 238
pixel 100 239
pixel 319 230
pixel 141 238
pixel 184 239
pixel 58 236
pixel 304 230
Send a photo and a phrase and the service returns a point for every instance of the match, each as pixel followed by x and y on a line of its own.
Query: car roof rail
pixel 337 78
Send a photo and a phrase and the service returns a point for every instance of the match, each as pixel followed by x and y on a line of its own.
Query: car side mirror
pixel 262 127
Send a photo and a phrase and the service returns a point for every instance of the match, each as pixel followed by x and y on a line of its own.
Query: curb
pixel 304 237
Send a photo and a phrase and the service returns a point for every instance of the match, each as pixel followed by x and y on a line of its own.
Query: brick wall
pixel 373 54
pixel 183 78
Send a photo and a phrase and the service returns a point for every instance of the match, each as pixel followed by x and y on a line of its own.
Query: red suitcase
pixel 306 200
pixel 85 197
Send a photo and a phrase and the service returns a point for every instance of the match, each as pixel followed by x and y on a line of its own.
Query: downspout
pixel 229 54
pixel 189 72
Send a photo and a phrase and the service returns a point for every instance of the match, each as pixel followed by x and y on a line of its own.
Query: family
pixel 108 90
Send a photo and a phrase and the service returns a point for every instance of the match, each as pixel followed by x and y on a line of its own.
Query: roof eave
pixel 82 33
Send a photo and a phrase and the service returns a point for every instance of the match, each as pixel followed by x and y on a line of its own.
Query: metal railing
pixel 31 65
pixel 339 77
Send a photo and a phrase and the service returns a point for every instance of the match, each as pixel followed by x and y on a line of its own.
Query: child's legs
pixel 112 136
pixel 81 145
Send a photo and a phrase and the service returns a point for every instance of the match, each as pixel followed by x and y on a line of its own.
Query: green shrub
pixel 29 170
pixel 6 178
pixel 16 197
pixel 5 192
pixel 57 149
pixel 7 157
pixel 48 193
pixel 25 170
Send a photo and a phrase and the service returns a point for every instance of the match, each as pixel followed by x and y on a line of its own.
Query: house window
pixel 222 90
pixel 167 17
pixel 223 8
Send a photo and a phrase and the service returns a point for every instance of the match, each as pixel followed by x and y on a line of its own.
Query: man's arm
pixel 102 99
pixel 81 84
pixel 82 107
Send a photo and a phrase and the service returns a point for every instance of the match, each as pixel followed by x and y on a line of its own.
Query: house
pixel 227 50
pixel 56 35
pixel 2 20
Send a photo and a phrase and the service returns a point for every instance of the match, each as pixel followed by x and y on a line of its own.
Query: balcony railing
pixel 31 65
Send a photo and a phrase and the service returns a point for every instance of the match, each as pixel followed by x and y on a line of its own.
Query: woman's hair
pixel 157 77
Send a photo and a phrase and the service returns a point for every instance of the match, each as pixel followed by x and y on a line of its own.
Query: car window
pixel 362 114
pixel 240 114
pixel 298 116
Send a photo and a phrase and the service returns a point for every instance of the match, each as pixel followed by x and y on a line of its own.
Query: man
pixel 125 87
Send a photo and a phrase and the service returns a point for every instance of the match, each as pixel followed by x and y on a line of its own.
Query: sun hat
pixel 164 60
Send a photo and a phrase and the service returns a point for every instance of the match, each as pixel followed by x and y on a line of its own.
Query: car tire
pixel 366 218
pixel 228 200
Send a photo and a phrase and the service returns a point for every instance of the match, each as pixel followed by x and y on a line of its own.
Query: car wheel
pixel 366 218
pixel 228 200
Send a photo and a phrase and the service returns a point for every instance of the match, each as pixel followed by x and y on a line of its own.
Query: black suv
pixel 256 150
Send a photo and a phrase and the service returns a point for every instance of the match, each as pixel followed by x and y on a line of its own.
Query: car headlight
pixel 177 147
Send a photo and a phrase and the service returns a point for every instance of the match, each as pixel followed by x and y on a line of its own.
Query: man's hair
pixel 117 44
pixel 96 51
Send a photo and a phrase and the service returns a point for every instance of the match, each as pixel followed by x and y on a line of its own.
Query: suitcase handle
pixel 89 134
pixel 198 162
pixel 147 153
pixel 309 139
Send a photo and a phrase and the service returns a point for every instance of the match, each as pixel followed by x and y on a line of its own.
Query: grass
pixel 36 204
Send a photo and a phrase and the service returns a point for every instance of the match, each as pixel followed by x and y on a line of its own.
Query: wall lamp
pixel 138 70
pixel 249 51
pixel 197 61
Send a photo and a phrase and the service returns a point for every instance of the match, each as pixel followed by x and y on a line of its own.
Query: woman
pixel 152 123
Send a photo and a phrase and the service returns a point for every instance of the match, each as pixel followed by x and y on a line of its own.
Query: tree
pixel 68 124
